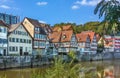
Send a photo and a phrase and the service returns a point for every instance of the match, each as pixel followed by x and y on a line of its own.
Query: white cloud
pixel 88 3
pixel 42 3
pixel 4 7
pixel 74 7
pixel 42 21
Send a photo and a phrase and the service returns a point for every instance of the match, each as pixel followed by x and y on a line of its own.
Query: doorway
pixel 21 51
pixel 4 52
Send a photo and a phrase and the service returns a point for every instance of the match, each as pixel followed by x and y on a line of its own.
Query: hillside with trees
pixel 94 26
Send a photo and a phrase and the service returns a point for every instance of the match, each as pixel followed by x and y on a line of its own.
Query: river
pixel 113 65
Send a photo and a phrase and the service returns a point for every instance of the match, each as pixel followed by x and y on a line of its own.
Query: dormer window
pixel 64 36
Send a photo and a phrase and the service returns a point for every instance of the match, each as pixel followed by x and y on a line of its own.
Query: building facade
pixel 68 42
pixel 116 43
pixel 83 41
pixel 38 34
pixel 19 40
pixel 9 19
pixel 109 43
pixel 3 38
pixel 63 39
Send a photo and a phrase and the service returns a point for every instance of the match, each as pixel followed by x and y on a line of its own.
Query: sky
pixel 52 11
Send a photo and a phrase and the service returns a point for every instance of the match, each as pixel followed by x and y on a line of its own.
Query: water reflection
pixel 98 69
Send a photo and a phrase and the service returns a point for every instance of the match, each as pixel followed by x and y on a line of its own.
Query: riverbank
pixel 94 66
pixel 10 62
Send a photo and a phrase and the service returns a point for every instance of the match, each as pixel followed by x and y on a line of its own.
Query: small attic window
pixel 64 36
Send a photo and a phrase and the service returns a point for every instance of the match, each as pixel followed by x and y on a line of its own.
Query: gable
pixel 19 31
pixel 29 27
pixel 73 38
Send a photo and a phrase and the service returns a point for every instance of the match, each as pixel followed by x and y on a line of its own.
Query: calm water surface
pixel 98 65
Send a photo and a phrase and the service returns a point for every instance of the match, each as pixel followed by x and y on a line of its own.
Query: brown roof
pixel 54 37
pixel 56 29
pixel 37 24
pixel 90 33
pixel 67 27
pixel 13 27
pixel 66 36
pixel 3 23
pixel 34 21
pixel 47 28
pixel 62 36
pixel 81 37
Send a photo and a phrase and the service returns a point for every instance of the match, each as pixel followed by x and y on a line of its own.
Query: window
pixel 35 43
pixel 35 35
pixel 27 41
pixel 23 40
pixel 13 39
pixel 5 30
pixel 17 40
pixel 36 29
pixel 13 48
pixel 10 39
pixel 20 40
pixel 40 36
pixel 30 41
pixel 16 48
pixel 4 40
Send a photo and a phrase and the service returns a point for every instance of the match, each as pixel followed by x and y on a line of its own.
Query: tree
pixel 110 9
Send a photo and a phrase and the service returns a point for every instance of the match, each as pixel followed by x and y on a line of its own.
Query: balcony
pixel 35 46
pixel 93 47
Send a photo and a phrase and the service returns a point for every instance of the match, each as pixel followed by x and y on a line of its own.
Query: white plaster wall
pixel 24 45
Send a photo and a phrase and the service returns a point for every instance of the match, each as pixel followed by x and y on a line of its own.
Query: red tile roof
pixel 62 36
pixel 81 37
pixel 54 37
pixel 67 27
pixel 66 36
pixel 90 33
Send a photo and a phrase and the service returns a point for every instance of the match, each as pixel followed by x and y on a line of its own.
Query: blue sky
pixel 52 11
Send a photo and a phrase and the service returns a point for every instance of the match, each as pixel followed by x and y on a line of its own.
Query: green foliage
pixel 59 70
pixel 93 26
pixel 4 76
pixel 110 10
pixel 72 54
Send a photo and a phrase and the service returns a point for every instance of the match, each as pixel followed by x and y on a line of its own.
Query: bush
pixel 60 70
